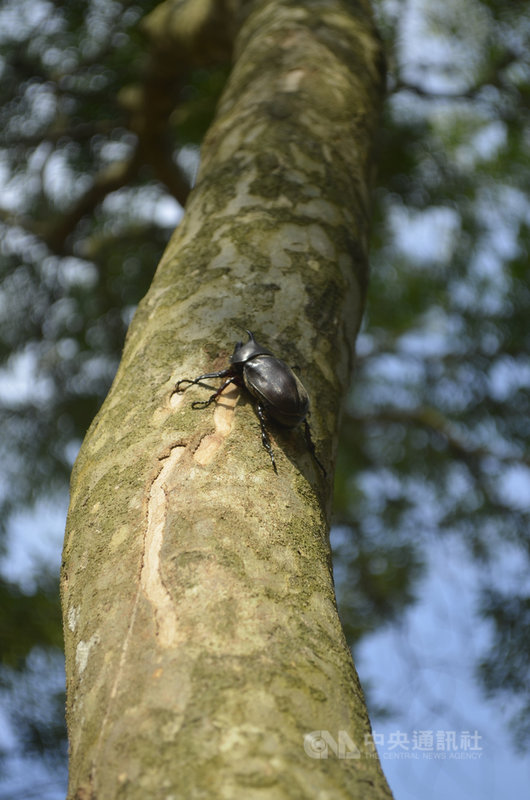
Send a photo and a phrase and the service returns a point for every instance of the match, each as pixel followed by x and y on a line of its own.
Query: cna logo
pixel 319 744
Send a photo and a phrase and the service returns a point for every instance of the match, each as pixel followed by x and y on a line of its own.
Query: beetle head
pixel 244 352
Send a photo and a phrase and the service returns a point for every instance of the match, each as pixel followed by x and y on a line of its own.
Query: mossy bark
pixel 202 637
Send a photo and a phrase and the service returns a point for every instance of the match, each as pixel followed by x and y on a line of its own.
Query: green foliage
pixel 34 699
pixel 436 433
pixel 196 111
pixel 27 621
pixel 505 670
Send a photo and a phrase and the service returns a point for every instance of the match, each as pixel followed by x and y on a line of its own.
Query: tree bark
pixel 203 645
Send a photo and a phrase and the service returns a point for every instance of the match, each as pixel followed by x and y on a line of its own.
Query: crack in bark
pixel 151 580
pixel 150 583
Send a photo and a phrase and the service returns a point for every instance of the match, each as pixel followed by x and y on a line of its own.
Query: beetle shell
pixel 273 383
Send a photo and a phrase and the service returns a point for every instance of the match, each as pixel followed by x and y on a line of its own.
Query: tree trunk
pixel 205 658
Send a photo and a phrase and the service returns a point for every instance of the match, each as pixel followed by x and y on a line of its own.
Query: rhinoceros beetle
pixel 279 393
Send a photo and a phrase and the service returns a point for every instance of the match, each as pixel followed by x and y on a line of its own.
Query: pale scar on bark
pixel 223 418
pixel 151 577
pixel 157 508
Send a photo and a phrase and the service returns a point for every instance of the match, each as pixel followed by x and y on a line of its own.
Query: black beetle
pixel 279 393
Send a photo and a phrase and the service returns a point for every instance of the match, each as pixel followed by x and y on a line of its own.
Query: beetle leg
pixel 222 374
pixel 214 396
pixel 265 436
pixel 311 447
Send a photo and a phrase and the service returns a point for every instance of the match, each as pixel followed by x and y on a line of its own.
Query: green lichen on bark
pixel 202 637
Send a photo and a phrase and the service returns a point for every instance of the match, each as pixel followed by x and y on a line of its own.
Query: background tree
pixel 437 430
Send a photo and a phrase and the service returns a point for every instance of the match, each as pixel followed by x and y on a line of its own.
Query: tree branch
pixel 432 419
pixel 183 34
pixel 112 178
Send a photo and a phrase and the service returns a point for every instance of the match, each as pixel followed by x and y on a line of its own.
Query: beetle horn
pixel 250 336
